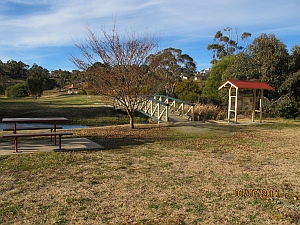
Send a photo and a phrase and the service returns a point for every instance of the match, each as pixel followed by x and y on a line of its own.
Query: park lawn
pixel 159 175
pixel 93 110
pixel 151 175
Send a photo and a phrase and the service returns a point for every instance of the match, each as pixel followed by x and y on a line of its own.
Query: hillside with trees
pixel 170 71
pixel 266 59
pixel 17 79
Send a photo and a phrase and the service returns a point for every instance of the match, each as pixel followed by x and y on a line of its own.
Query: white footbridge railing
pixel 183 108
pixel 155 109
pixel 159 107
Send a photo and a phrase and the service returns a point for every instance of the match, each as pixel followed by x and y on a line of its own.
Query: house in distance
pixel 72 89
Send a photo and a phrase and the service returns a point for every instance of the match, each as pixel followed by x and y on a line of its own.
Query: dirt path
pixel 182 124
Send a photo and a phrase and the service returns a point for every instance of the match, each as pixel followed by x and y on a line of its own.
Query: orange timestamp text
pixel 260 193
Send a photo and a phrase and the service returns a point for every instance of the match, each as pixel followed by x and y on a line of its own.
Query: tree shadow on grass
pixel 200 126
pixel 118 137
pixel 119 143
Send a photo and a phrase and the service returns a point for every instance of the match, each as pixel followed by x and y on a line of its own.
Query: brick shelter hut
pixel 245 96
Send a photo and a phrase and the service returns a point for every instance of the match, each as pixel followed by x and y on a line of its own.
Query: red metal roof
pixel 241 84
pixel 73 86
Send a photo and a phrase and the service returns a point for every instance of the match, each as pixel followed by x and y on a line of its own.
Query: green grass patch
pixel 79 109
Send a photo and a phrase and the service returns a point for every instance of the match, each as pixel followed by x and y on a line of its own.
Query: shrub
pixel 17 91
pixel 188 90
pixel 282 107
pixel 82 92
pixel 92 92
pixel 205 112
pixel 2 92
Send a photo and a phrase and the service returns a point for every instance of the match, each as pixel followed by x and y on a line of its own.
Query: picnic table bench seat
pixel 33 128
pixel 51 127
pixel 18 135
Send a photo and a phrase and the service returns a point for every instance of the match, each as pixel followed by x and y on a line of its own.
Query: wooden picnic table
pixel 53 120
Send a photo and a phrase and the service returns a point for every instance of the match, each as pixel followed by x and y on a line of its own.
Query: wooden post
pixel 193 114
pixel 173 106
pixel 236 105
pixel 260 105
pixel 229 105
pixel 158 112
pixel 167 113
pixel 253 105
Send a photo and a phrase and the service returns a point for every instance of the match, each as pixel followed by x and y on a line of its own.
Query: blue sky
pixel 43 31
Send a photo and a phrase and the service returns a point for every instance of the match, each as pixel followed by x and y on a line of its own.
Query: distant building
pixel 202 75
pixel 184 77
pixel 72 89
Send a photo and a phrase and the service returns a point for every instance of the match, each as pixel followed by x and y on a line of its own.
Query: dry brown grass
pixel 158 176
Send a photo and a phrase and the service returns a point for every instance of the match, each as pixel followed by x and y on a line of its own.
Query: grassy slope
pixel 79 109
pixel 154 175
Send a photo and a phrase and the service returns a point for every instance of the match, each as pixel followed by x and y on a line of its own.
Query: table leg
pixel 16 144
pixel 15 139
pixel 59 142
pixel 54 135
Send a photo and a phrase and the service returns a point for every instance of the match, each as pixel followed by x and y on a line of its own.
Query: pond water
pixel 20 125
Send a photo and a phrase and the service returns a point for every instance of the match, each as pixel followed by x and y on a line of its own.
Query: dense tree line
pixel 18 79
pixel 266 59
pixel 234 56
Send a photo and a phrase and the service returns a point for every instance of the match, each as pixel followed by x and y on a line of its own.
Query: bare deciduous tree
pixel 115 66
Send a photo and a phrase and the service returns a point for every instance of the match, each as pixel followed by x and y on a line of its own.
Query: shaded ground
pixel 45 145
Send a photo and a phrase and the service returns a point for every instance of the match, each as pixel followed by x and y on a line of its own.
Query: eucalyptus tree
pixel 170 65
pixel 210 91
pixel 270 60
pixel 291 86
pixel 266 59
pixel 36 80
pixel 295 59
pixel 77 78
pixel 61 77
pixel 15 70
pixel 2 74
pixel 225 44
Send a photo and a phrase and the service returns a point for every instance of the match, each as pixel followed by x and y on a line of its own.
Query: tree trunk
pixel 131 117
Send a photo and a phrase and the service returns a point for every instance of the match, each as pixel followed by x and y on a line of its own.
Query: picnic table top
pixel 34 120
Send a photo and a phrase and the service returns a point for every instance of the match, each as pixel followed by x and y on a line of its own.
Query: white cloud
pixel 57 22
pixel 64 19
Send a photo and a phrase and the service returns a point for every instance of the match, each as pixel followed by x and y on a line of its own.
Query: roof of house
pixel 72 86
pixel 241 84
